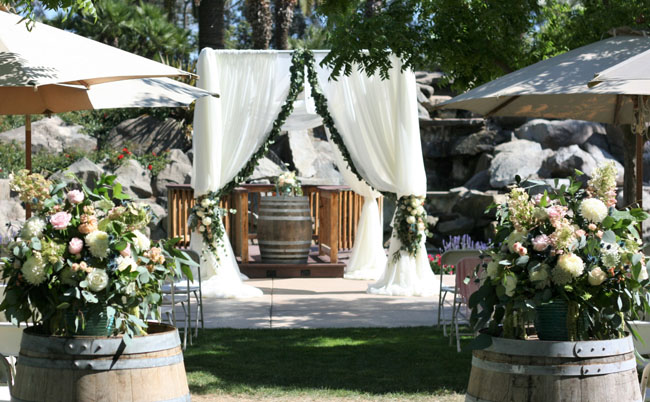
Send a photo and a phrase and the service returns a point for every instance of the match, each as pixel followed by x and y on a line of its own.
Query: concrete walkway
pixel 318 303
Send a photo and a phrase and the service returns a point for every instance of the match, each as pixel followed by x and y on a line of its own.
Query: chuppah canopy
pixel 374 123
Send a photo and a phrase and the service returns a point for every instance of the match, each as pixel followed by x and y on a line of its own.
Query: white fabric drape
pixel 378 122
pixel 227 131
pixel 368 257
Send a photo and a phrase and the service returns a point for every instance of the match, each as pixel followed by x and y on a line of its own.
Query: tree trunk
pixel 373 7
pixel 283 20
pixel 170 10
pixel 258 15
pixel 211 24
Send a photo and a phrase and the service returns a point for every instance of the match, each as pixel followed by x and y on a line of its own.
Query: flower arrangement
pixel 438 268
pixel 82 255
pixel 206 218
pixel 410 223
pixel 568 245
pixel 288 184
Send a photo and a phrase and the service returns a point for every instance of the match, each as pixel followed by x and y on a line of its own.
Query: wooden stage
pixel 318 266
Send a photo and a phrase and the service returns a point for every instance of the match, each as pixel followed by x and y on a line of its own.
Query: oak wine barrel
pixel 87 368
pixel 551 371
pixel 284 229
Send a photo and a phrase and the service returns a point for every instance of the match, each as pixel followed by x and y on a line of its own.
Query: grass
pixel 321 364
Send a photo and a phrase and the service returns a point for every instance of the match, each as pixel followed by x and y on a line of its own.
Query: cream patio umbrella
pixel 557 88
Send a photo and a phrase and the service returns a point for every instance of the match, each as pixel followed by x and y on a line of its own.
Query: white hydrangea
pixel 493 269
pixel 33 228
pixel 141 242
pixel 540 277
pixel 97 280
pixel 568 266
pixel 610 254
pixel 97 243
pixel 34 269
pixel 593 210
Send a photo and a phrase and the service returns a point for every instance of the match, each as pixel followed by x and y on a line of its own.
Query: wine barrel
pixel 86 368
pixel 548 371
pixel 284 229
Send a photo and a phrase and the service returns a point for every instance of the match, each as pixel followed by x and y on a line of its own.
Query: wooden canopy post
pixel 28 156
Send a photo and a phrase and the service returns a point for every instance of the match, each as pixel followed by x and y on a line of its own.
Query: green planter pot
pixel 551 321
pixel 98 322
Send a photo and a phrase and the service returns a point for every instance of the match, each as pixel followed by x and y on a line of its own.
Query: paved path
pixel 318 303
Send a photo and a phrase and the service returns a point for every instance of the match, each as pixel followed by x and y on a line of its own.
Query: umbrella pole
pixel 28 155
pixel 639 169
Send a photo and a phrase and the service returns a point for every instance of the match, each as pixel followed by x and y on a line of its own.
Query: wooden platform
pixel 316 267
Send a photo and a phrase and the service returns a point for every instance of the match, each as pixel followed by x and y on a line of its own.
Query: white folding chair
pixel 466 268
pixel 173 296
pixel 450 257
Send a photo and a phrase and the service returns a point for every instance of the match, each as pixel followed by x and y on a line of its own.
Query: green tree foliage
pixel 472 41
pixel 140 28
pixel 28 7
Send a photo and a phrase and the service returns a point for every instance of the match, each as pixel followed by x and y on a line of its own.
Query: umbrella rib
pixel 501 106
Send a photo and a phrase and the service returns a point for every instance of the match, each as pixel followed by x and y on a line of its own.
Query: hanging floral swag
pixel 410 224
pixel 206 218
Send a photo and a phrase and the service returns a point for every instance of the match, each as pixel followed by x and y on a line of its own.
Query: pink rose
pixel 592 227
pixel 537 198
pixel 580 233
pixel 127 251
pixel 541 242
pixel 60 220
pixel 75 246
pixel 599 234
pixel 75 196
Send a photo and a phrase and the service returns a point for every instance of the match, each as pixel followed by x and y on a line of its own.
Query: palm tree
pixel 283 12
pixel 258 14
pixel 211 24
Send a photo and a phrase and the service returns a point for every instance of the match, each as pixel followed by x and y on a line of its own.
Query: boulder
pixel 484 162
pixel 147 134
pixel 52 135
pixel 423 113
pixel 313 158
pixel 473 204
pixel 559 133
pixel 266 169
pixel 135 180
pixel 459 226
pixel 178 156
pixel 602 156
pixel 173 173
pixel 427 90
pixel 433 100
pixel 519 157
pixel 12 215
pixel 461 170
pixel 480 181
pixel 563 163
pixel 422 97
pixel 475 143
pixel 615 141
pixel 158 225
pixel 442 202
pixel 84 169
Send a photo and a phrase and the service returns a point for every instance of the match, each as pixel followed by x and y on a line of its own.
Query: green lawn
pixel 354 363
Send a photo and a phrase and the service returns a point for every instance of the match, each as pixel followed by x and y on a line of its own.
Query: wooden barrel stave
pixel 54 374
pixel 504 373
pixel 284 230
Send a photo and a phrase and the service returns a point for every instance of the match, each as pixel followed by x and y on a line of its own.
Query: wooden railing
pixel 335 212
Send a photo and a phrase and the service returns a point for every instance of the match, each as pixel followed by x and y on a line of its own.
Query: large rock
pixel 473 203
pixel 266 169
pixel 459 226
pixel 178 156
pixel 12 215
pixel 559 133
pixel 475 143
pixel 480 181
pixel 135 180
pixel 313 158
pixel 519 157
pixel 563 163
pixel 442 202
pixel 53 135
pixel 158 226
pixel 173 173
pixel 146 134
pixel 84 169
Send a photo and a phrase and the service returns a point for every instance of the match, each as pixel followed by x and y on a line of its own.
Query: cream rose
pixel 596 276
pixel 97 280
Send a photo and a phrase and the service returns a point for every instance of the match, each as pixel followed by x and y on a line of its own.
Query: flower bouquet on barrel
pixel 565 260
pixel 288 184
pixel 82 264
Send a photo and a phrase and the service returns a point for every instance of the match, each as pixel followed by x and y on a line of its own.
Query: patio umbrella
pixel 557 88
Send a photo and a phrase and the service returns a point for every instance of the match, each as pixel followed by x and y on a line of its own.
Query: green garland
pixel 297 80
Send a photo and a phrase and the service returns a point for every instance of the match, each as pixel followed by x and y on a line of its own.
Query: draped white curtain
pixel 378 122
pixel 227 131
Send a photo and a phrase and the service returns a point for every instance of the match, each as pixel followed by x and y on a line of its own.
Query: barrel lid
pixel 596 348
